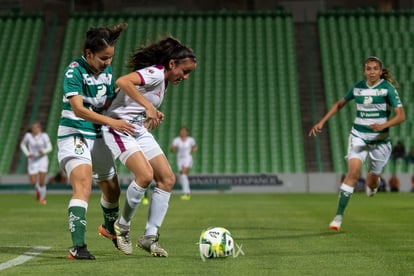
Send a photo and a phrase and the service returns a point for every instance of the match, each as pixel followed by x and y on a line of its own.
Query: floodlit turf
pixel 279 234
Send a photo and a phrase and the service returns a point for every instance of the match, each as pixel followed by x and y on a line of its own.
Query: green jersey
pixel 95 89
pixel 373 106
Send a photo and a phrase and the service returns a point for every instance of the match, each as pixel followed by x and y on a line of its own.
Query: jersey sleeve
pixel 48 145
pixel 175 142
pixel 72 81
pixel 394 98
pixel 349 95
pixel 23 145
pixel 151 76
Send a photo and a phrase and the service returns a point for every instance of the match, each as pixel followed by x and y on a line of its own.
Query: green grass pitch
pixel 279 234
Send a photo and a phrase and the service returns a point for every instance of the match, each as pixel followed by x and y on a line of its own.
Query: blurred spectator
pixel 398 151
pixel 58 178
pixel 360 185
pixel 394 183
pixel 412 183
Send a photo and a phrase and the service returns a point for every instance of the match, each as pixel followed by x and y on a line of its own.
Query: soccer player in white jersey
pixel 185 146
pixel 142 92
pixel 369 139
pixel 88 88
pixel 36 145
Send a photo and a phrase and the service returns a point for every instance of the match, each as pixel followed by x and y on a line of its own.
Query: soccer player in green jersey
pixel 369 138
pixel 88 88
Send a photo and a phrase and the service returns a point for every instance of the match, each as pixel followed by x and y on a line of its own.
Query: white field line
pixel 26 256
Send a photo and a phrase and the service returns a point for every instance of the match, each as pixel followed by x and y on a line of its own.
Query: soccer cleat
pixel 186 197
pixel 336 223
pixel 150 244
pixel 37 195
pixel 122 238
pixel 43 201
pixel 102 231
pixel 80 253
pixel 371 192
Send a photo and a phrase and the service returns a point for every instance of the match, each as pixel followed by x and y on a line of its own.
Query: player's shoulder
pixel 154 70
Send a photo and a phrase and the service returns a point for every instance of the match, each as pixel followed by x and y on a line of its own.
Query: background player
pixel 36 145
pixel 369 138
pixel 184 145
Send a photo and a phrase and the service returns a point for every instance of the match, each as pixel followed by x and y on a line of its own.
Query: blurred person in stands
pixel 394 183
pixel 369 140
pixel 185 146
pixel 36 145
pixel 88 88
pixel 154 66
pixel 398 152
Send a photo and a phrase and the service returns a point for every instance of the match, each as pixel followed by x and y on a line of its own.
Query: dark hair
pixel 98 38
pixel 386 73
pixel 160 53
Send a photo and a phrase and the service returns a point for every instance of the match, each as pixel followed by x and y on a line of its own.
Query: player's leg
pixel 78 168
pixel 377 159
pixel 185 183
pixel 104 173
pixel 43 166
pixel 33 179
pixel 356 154
pixel 165 180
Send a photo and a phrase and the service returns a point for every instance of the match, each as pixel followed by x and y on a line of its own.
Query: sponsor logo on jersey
pixel 150 71
pixel 74 64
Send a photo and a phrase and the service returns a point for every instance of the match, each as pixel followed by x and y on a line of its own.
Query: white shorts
pixel 37 165
pixel 378 154
pixel 87 151
pixel 184 162
pixel 122 146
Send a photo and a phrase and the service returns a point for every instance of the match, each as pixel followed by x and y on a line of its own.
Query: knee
pixel 144 178
pixel 167 182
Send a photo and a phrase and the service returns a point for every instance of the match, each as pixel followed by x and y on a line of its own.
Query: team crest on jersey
pixel 74 64
pixel 367 100
pixel 79 148
pixel 150 71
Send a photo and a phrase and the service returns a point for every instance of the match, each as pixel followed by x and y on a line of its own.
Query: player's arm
pixel 81 111
pixel 332 111
pixel 398 118
pixel 24 148
pixel 194 148
pixel 127 84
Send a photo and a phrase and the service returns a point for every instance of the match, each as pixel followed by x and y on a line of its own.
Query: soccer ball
pixel 216 242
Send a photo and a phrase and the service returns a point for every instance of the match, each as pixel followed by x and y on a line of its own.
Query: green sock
pixel 77 224
pixel 345 194
pixel 110 215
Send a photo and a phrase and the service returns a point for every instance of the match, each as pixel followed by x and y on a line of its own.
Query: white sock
pixel 42 192
pixel 134 195
pixel 185 184
pixel 157 211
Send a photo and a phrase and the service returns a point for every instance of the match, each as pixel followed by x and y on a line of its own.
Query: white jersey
pixel 153 88
pixel 183 147
pixel 36 144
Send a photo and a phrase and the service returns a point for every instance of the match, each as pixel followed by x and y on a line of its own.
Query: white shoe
pixel 371 192
pixel 122 237
pixel 336 223
pixel 150 244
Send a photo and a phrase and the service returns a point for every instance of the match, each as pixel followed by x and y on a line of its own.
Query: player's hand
pixel 154 118
pixel 122 126
pixel 316 129
pixel 376 127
